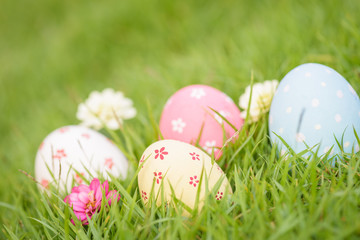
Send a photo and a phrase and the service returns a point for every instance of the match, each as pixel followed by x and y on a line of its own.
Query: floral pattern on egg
pixel 77 148
pixel 181 169
pixel 188 111
pixel 313 104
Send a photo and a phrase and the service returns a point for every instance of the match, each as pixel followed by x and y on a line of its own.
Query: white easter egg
pixel 180 165
pixel 77 148
pixel 315 106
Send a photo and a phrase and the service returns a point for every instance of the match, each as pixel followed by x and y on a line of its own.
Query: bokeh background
pixel 54 53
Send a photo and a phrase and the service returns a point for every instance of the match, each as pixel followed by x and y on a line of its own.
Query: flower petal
pixel 83 197
pixel 66 199
pixel 73 197
pixel 80 215
pixel 106 187
pixel 98 194
pixel 78 206
pixel 80 188
pixel 113 195
pixel 95 183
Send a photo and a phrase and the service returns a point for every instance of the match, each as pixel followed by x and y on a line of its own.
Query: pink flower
pixel 194 181
pixel 160 153
pixel 86 200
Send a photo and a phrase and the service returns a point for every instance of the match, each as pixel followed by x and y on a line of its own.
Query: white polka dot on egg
pixel 317 126
pixel 338 118
pixel 282 153
pixel 352 89
pixel 287 88
pixel 315 102
pixel 322 105
pixel 300 137
pixel 327 149
pixel 339 94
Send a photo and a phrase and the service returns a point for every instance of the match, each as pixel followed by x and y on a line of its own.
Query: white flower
pixel 209 145
pixel 223 114
pixel 107 107
pixel 262 94
pixel 197 93
pixel 178 125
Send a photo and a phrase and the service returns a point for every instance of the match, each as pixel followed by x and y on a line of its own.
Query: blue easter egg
pixel 313 106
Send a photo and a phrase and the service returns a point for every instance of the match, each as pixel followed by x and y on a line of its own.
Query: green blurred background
pixel 54 53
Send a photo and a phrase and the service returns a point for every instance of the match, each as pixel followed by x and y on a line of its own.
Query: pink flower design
pixel 64 129
pixel 86 200
pixel 143 195
pixel 219 195
pixel 60 153
pixel 160 153
pixel 142 160
pixel 86 135
pixel 158 177
pixel 78 179
pixel 219 169
pixel 45 183
pixel 194 181
pixel 109 163
pixel 194 156
pixel 41 146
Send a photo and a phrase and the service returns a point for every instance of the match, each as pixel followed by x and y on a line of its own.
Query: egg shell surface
pixel 187 113
pixel 314 103
pixel 77 148
pixel 173 163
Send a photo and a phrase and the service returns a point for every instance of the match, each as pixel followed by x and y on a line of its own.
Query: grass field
pixel 54 53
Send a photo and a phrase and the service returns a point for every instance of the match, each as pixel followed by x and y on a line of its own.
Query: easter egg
pixel 315 106
pixel 71 153
pixel 188 117
pixel 173 164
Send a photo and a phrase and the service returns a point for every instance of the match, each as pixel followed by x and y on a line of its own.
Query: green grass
pixel 53 53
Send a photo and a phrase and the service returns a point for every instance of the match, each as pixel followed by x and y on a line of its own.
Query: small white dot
pixel 328 71
pixel 326 149
pixel 352 90
pixel 270 119
pixel 281 130
pixel 307 74
pixel 282 152
pixel 300 137
pixel 289 109
pixel 323 84
pixel 297 69
pixel 317 126
pixel 338 118
pixel 357 148
pixel 340 94
pixel 315 102
pixel 346 144
pixel 287 88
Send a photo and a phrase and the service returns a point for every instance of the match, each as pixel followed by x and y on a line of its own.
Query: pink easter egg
pixel 189 110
